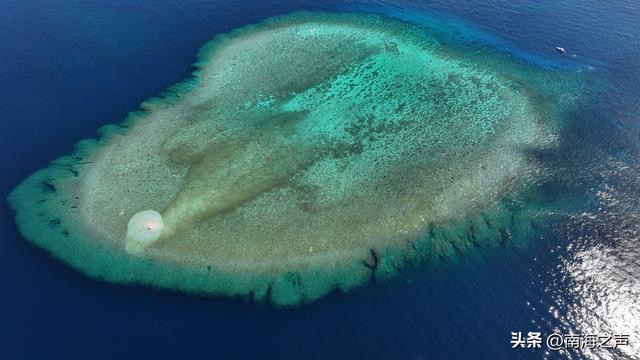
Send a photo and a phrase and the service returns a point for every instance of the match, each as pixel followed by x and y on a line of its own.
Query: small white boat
pixel 560 49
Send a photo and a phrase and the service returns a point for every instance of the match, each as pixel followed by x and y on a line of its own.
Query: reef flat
pixel 308 153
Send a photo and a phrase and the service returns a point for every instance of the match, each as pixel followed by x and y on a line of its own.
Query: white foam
pixel 143 229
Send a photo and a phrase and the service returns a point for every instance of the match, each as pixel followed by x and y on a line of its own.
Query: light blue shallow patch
pixel 395 96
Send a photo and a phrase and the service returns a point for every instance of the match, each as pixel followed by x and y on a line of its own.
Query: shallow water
pixel 69 68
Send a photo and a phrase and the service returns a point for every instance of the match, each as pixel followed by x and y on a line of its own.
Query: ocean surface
pixel 69 67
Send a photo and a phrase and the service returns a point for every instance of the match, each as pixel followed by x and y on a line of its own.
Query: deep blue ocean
pixel 69 67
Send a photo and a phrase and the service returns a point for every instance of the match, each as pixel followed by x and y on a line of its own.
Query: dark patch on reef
pixel 372 263
pixel 48 187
